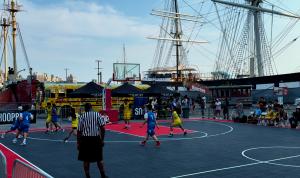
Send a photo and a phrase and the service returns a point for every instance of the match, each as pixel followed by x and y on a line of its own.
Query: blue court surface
pixel 214 150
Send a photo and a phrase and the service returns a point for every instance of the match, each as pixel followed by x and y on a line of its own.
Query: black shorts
pixel 90 149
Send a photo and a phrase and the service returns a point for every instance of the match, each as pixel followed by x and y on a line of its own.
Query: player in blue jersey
pixel 150 119
pixel 15 124
pixel 54 118
pixel 24 119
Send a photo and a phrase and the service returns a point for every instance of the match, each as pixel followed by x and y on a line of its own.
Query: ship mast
pixel 172 33
pixel 256 15
pixel 13 8
pixel 256 10
pixel 178 43
pixel 5 26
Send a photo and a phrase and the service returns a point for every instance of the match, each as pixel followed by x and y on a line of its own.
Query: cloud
pixel 74 34
pixel 84 19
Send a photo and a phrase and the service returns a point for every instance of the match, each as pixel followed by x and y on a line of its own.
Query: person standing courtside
pixel 90 140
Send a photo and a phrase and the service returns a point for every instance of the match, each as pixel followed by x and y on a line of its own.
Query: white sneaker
pixel 14 140
pixel 3 135
pixel 20 136
pixel 23 143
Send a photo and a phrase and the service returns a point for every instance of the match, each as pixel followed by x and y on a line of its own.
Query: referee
pixel 90 140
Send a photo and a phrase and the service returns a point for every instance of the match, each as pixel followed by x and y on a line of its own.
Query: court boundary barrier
pixel 3 165
pixel 24 170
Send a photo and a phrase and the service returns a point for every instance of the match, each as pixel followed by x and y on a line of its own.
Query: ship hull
pixel 22 92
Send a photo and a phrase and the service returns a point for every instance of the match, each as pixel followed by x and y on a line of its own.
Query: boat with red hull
pixel 22 92
pixel 16 91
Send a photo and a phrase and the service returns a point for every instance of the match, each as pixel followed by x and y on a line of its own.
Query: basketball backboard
pixel 126 72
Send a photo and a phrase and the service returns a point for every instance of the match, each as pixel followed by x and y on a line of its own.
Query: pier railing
pixel 3 165
pixel 24 170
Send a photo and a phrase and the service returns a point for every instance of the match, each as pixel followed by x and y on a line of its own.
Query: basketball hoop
pixel 125 72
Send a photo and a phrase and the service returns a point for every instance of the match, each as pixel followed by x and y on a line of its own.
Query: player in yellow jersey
pixel 74 116
pixel 176 122
pixel 127 113
pixel 48 119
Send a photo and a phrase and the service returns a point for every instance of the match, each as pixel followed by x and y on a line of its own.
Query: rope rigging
pixel 235 52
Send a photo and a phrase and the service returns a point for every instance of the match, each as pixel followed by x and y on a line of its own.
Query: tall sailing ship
pixel 249 40
pixel 247 46
pixel 14 90
pixel 172 42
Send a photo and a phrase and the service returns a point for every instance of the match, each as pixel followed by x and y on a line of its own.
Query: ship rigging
pixel 171 38
pixel 250 39
pixel 15 89
pixel 246 50
pixel 9 22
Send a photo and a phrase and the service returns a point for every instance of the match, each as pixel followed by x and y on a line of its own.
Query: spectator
pixel 218 109
pixel 193 105
pixel 257 114
pixel 105 117
pixel 204 100
pixel 226 109
pixel 202 107
pixel 262 104
pixel 90 140
pixel 296 117
pixel 185 106
pixel 283 116
pixel 270 117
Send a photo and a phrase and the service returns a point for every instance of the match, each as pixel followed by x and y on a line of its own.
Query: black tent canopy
pixel 126 89
pixel 158 90
pixel 91 89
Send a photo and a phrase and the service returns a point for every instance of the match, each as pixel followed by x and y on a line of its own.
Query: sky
pixel 73 34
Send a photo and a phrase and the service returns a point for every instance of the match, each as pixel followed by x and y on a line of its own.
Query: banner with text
pixel 8 117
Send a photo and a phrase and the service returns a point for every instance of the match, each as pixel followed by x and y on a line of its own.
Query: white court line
pixel 206 135
pixel 115 131
pixel 243 165
pixel 124 141
pixel 270 162
pixel 215 170
pixel 121 132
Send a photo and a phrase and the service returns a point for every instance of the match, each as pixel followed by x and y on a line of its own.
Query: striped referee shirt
pixel 90 123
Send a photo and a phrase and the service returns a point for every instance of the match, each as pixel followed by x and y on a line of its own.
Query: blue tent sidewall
pixel 138 107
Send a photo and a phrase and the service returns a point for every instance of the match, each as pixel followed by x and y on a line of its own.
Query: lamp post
pixel 66 69
pixel 99 74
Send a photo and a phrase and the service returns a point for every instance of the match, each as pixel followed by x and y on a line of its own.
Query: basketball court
pixel 211 149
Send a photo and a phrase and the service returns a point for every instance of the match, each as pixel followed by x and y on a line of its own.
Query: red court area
pixel 136 130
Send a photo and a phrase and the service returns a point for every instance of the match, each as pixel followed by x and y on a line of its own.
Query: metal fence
pixel 24 170
pixel 3 169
